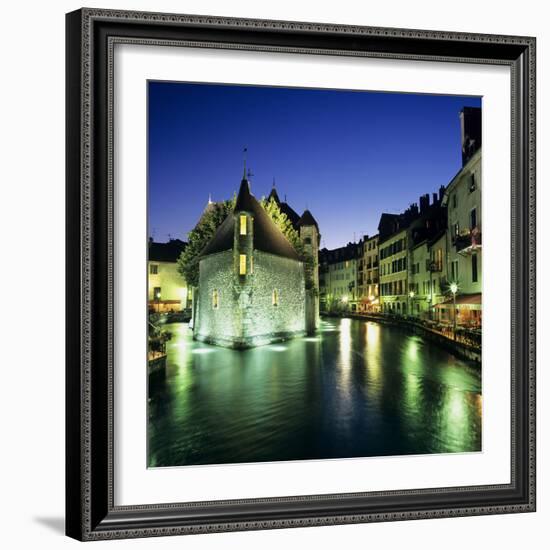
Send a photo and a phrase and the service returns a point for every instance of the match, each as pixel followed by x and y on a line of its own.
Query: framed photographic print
pixel 300 274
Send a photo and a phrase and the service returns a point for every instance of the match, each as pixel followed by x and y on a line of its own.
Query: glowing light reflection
pixel 203 350
pixel 276 348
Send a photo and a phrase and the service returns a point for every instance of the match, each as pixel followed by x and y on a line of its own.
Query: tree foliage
pixel 199 237
pixel 213 217
pixel 285 225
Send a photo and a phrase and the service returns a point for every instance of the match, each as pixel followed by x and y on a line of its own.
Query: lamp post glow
pixel 454 289
pixel 411 296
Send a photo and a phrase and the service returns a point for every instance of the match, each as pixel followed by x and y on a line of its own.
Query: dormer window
pixel 242 218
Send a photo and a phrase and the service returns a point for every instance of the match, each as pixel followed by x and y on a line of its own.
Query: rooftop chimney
pixel 424 203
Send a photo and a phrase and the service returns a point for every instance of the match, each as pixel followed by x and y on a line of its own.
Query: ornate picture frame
pixel 90 507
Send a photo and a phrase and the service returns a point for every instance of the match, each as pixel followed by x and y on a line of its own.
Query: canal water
pixel 355 389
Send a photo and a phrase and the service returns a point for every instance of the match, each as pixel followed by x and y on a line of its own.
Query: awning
pixel 466 301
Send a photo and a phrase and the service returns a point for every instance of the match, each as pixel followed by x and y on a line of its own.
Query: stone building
pixel 167 290
pixel 252 284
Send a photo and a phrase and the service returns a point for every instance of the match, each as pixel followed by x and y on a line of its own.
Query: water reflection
pixel 355 389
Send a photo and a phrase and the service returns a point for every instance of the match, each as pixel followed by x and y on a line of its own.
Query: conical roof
pixel 307 219
pixel 274 195
pixel 267 236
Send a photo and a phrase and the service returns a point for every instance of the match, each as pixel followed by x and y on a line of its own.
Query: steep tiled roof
pixel 307 219
pixel 285 208
pixel 267 236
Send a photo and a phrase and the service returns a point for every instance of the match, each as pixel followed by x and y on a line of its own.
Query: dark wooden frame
pixel 91 35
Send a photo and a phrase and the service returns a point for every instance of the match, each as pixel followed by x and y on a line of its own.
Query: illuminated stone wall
pixel 245 315
pixel 263 320
pixel 223 322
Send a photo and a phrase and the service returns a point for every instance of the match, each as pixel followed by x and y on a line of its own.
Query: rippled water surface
pixel 356 389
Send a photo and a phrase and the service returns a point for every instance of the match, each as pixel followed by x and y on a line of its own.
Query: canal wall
pixel 460 349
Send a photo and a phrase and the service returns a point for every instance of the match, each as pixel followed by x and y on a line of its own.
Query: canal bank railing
pixel 465 343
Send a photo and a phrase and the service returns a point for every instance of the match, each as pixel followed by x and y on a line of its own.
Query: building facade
pixel 463 199
pixel 338 279
pixel 167 290
pixel 393 273
pixel 368 275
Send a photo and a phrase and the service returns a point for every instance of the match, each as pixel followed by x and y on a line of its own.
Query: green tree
pixel 199 237
pixel 285 225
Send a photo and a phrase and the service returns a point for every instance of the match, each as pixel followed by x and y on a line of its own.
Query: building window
pixel 472 183
pixel 454 271
pixel 156 293
pixel 455 200
pixel 473 218
pixel 243 224
pixel 153 269
pixel 307 240
pixel 215 299
pixel 242 264
pixel 439 259
pixel 456 230
pixel 275 297
pixel 474 268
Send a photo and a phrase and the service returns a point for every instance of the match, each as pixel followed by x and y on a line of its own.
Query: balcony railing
pixel 468 241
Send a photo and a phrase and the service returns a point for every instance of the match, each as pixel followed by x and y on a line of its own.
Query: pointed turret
pixel 261 232
pixel 307 219
pixel 274 195
pixel 244 197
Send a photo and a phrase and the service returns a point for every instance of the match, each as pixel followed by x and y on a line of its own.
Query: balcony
pixel 468 242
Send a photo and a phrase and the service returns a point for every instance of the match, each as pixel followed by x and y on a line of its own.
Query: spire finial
pixel 245 151
pixel 209 198
pixel 273 186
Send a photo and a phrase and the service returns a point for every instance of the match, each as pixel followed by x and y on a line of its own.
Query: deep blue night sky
pixel 347 156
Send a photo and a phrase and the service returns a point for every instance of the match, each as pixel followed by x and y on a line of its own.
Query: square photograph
pixel 314 274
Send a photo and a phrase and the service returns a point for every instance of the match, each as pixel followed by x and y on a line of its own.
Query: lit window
pixel 154 269
pixel 215 299
pixel 243 224
pixel 275 297
pixel 242 264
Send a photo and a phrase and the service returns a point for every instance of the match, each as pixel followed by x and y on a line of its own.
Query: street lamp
pixel 157 298
pixel 411 296
pixel 454 289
